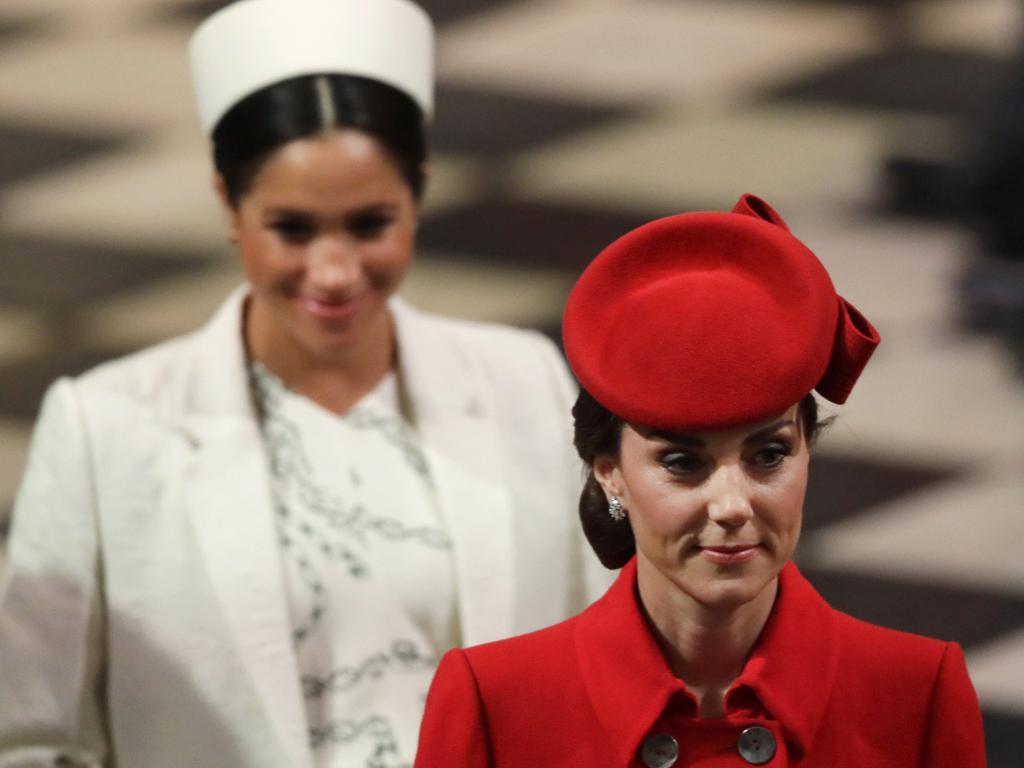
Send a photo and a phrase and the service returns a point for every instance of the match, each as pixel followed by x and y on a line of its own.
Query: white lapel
pixel 453 412
pixel 227 491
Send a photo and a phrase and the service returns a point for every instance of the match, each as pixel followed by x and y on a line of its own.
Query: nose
pixel 333 264
pixel 729 503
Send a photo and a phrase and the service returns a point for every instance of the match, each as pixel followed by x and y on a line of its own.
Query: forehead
pixel 338 164
pixel 740 433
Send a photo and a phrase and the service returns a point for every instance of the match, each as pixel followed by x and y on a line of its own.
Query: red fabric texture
pixel 834 691
pixel 708 320
pixel 856 338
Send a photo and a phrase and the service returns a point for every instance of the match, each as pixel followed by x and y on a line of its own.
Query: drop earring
pixel 615 509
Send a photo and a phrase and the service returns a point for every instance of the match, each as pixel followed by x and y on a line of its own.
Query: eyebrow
pixel 768 431
pixel 695 441
pixel 381 207
pixel 274 212
pixel 676 438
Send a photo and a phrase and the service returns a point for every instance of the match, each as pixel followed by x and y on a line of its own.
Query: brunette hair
pixel 303 106
pixel 598 432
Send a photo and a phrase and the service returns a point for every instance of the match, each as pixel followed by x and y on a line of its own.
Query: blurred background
pixel 890 135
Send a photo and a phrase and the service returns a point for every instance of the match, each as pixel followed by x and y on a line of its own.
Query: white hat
pixel 254 43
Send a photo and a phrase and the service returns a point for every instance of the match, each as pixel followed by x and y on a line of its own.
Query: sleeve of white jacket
pixel 594 578
pixel 51 607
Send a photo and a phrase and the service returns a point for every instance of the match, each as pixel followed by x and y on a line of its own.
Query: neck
pixel 337 382
pixel 705 646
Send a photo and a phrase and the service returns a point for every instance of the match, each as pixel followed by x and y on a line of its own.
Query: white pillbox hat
pixel 251 44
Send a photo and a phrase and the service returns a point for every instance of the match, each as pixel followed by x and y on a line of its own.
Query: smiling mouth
pixel 330 309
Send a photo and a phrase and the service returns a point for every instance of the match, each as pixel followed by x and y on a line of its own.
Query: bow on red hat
pixel 709 320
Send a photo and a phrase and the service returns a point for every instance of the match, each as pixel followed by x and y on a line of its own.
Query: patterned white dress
pixel 354 498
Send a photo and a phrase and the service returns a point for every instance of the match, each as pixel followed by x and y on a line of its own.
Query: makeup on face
pixel 326 234
pixel 717 513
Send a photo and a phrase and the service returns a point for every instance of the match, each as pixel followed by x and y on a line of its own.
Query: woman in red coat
pixel 697 340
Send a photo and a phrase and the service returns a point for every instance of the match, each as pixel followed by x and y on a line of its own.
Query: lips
pixel 331 308
pixel 728 554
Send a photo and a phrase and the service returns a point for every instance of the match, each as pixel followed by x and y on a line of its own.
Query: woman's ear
pixel 220 189
pixel 608 476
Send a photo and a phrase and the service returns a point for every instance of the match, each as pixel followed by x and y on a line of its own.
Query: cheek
pixel 264 258
pixel 253 249
pixel 787 499
pixel 387 262
pixel 663 511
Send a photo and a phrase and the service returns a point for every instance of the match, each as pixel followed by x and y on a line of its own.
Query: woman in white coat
pixel 250 545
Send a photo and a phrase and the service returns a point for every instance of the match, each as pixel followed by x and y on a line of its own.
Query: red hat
pixel 709 320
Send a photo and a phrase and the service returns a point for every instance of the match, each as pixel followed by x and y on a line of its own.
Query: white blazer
pixel 143 616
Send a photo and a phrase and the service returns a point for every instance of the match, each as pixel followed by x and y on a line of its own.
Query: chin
pixel 728 591
pixel 331 349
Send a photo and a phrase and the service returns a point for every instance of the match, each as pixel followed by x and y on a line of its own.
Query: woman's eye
pixel 682 463
pixel 771 455
pixel 293 231
pixel 368 226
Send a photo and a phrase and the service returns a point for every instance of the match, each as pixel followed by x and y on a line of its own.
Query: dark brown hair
pixel 303 106
pixel 598 432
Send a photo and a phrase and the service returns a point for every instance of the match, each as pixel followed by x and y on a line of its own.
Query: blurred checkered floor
pixel 562 124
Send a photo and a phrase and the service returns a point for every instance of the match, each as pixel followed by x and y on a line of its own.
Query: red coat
pixel 832 690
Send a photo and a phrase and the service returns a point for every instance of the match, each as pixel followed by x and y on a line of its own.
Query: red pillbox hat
pixel 709 320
